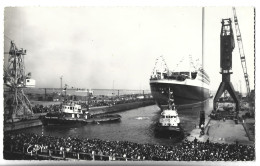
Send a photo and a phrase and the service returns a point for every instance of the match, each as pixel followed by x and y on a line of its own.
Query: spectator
pixel 186 151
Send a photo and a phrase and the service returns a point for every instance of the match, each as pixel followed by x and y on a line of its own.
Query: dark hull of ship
pixel 56 121
pixel 184 95
pixel 69 121
pixel 168 131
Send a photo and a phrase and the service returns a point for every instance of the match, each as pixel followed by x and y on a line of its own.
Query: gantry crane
pixel 241 51
pixel 227 46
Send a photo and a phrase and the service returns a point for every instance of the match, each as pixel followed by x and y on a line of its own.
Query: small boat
pixel 169 122
pixel 72 113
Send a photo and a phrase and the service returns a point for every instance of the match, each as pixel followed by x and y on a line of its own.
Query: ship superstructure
pixel 188 86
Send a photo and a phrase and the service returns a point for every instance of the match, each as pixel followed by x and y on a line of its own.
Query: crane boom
pixel 241 51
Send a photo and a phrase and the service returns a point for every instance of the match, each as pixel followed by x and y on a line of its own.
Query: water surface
pixel 136 125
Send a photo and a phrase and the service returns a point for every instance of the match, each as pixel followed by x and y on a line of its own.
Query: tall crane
pixel 241 51
pixel 227 46
pixel 17 105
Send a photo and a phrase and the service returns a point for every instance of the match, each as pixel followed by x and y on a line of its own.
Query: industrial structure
pixel 227 45
pixel 241 51
pixel 17 105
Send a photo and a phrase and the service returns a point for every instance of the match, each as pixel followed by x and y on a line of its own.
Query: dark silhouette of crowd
pixel 44 109
pixel 96 149
pixel 116 101
pixel 106 101
pixel 38 108
pixel 94 102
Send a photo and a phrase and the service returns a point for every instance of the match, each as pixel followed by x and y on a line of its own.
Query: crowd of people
pixel 79 147
pixel 99 101
pixel 38 108
pixel 94 102
pixel 44 109
pixel 110 102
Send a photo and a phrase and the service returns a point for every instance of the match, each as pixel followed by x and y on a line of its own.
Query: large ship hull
pixel 183 94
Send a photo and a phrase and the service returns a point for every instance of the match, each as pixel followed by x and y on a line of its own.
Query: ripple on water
pixel 142 118
pixel 136 125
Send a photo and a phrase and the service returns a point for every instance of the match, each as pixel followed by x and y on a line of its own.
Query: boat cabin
pixel 169 118
pixel 72 110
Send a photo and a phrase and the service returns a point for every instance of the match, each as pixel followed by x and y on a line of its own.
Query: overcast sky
pixel 93 46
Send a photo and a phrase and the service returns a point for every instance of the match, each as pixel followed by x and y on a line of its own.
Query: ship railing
pixel 180 77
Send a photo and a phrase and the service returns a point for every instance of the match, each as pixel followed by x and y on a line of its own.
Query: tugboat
pixel 169 121
pixel 72 113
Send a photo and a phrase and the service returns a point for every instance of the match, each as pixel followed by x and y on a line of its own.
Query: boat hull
pixel 183 94
pixel 168 131
pixel 57 121
pixel 71 121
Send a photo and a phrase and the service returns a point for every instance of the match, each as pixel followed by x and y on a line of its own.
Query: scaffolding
pixel 17 105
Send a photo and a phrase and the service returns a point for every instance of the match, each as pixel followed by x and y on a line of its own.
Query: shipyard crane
pixel 227 46
pixel 17 105
pixel 241 51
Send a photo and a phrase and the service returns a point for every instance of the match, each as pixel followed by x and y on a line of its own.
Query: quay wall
pixel 120 107
pixel 22 125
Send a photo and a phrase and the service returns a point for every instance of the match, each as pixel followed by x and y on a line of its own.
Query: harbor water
pixel 136 125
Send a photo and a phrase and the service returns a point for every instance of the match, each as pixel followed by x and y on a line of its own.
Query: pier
pixel 226 129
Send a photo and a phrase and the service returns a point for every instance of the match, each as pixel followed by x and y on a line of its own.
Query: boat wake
pixel 142 118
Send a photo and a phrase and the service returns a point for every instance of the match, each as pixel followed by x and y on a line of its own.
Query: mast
pixel 169 99
pixel 202 35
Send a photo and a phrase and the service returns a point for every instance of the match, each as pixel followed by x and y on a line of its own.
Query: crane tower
pixel 16 102
pixel 227 45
